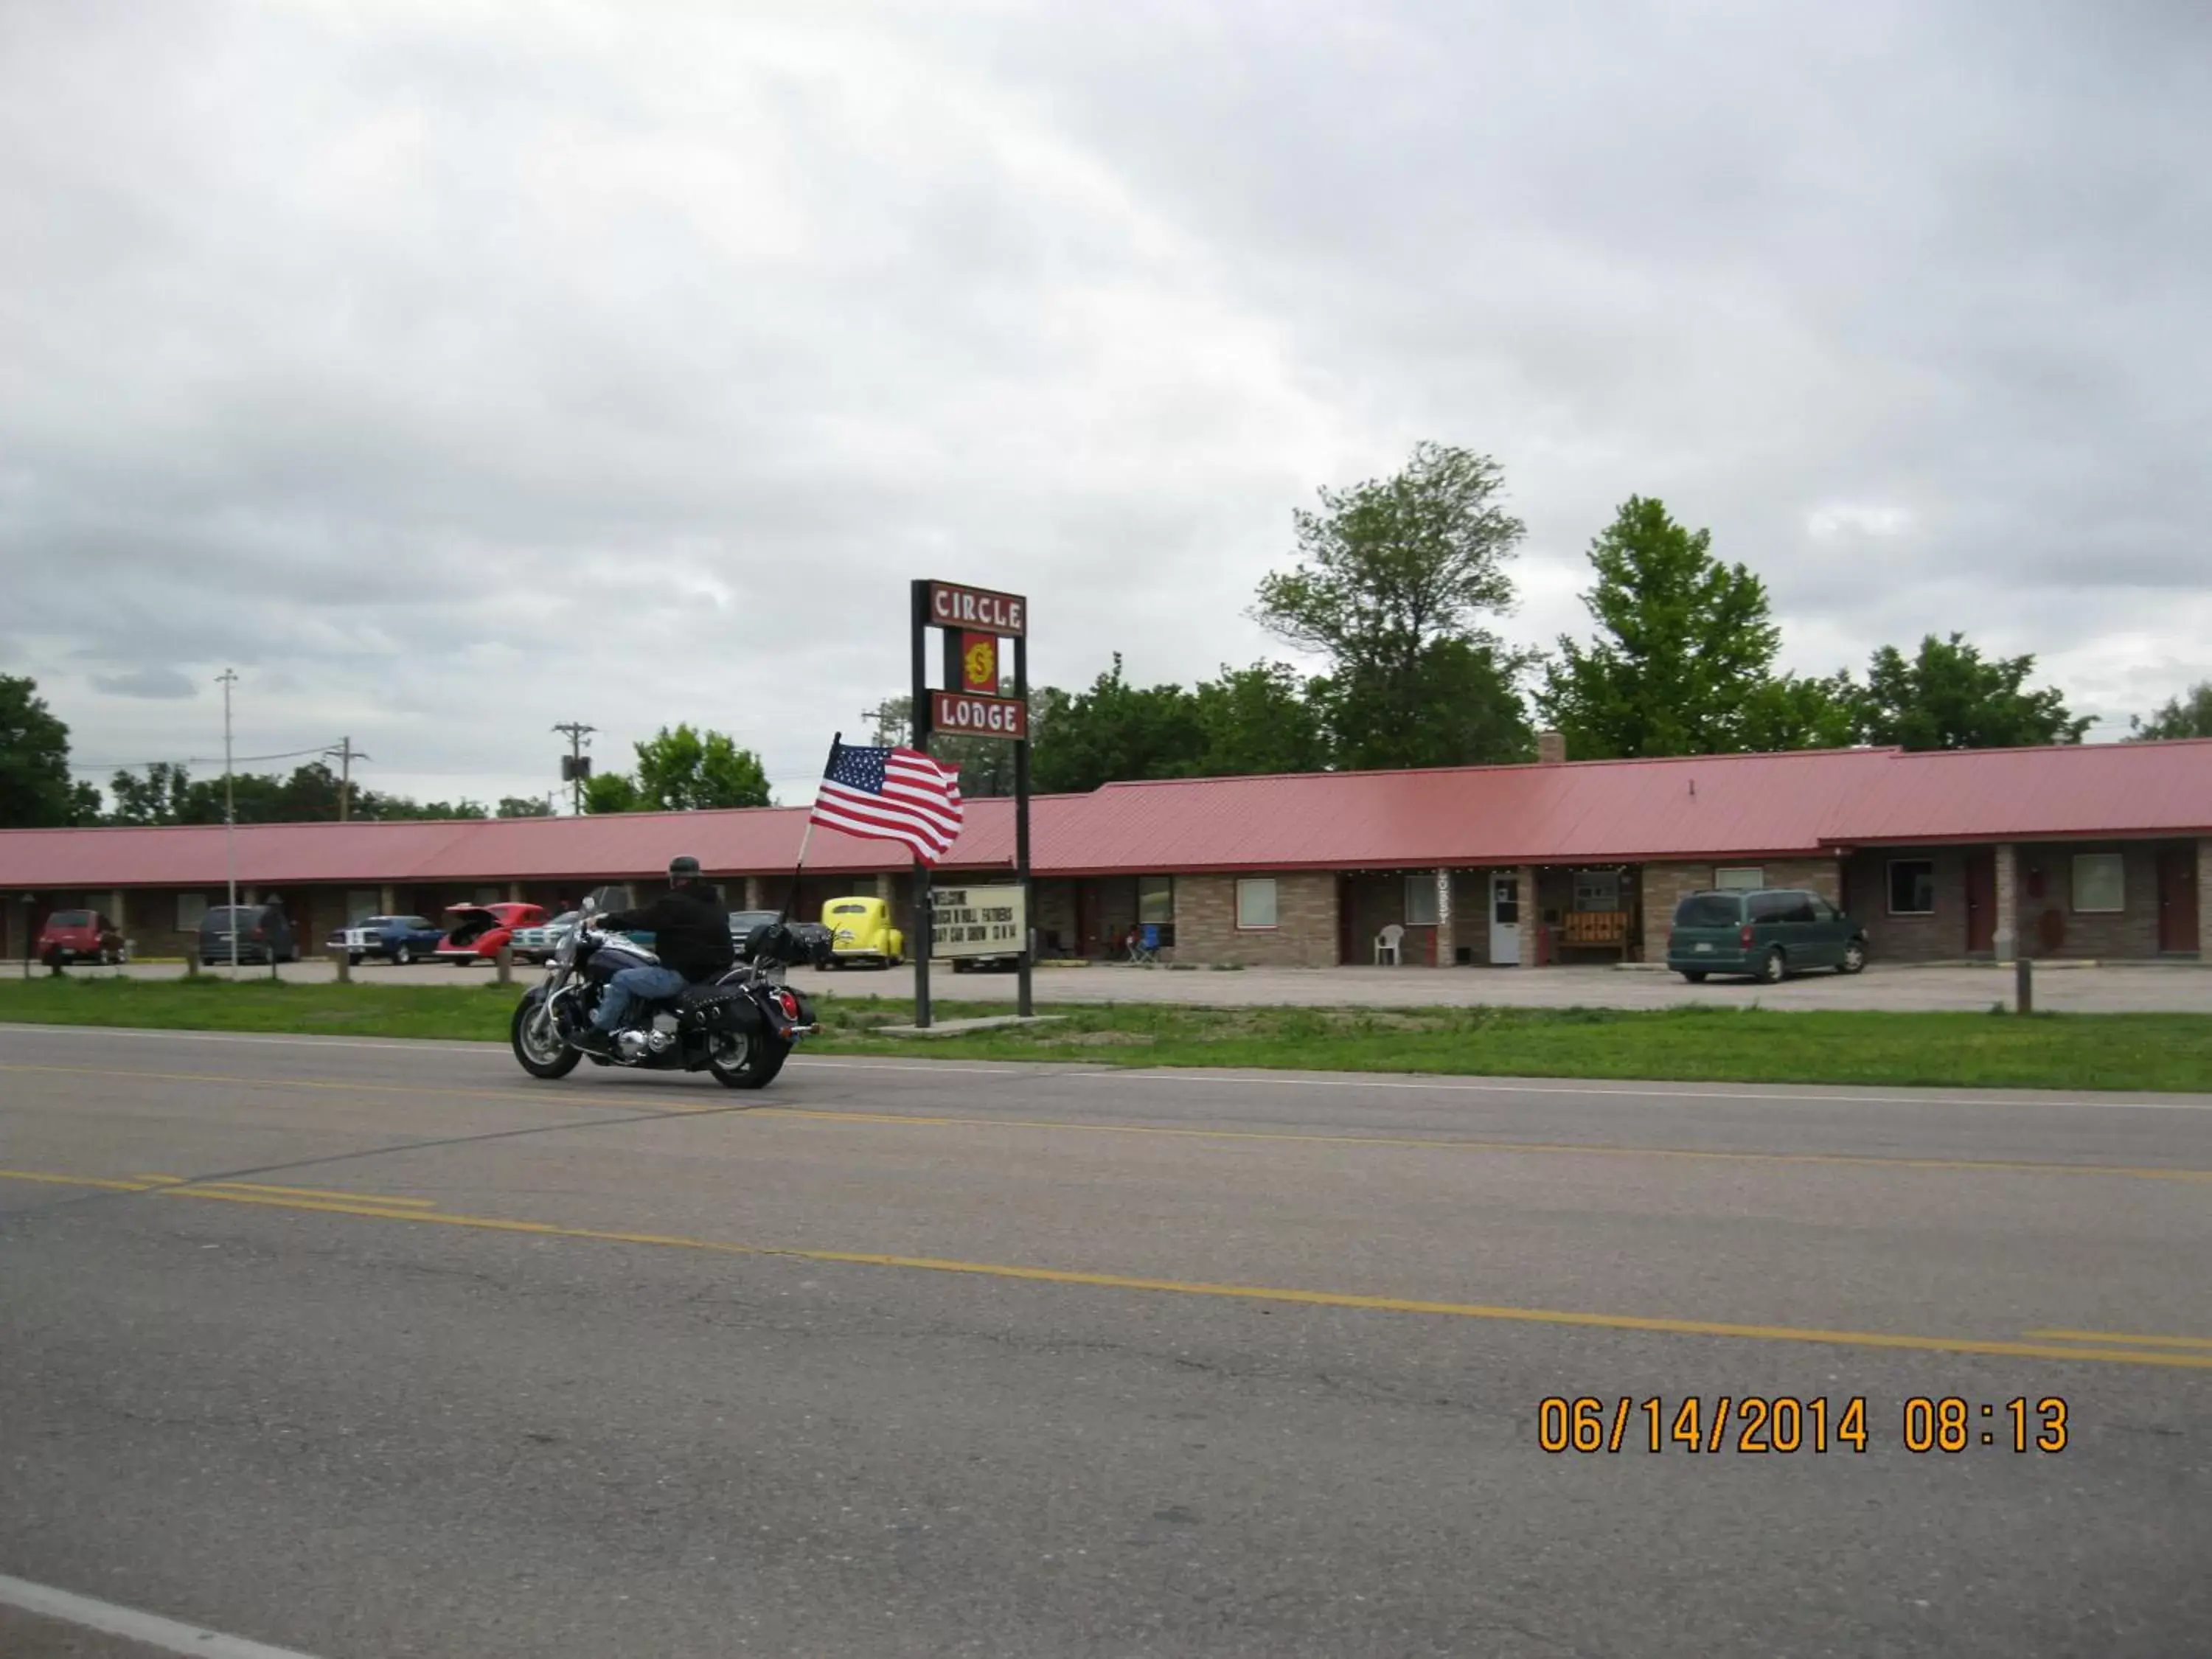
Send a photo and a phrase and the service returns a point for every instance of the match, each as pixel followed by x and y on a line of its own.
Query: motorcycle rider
pixel 691 936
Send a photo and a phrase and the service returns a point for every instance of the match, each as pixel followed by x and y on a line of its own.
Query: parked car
pixel 477 933
pixel 79 936
pixel 264 933
pixel 398 940
pixel 819 948
pixel 1766 933
pixel 538 943
pixel 860 931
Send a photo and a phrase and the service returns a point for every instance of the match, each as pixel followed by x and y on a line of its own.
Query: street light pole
pixel 228 678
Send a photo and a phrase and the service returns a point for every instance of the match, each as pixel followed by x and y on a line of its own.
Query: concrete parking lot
pixel 2180 987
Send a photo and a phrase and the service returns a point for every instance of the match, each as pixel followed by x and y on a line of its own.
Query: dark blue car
pixel 400 939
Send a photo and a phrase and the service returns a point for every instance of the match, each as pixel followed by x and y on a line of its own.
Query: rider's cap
pixel 684 865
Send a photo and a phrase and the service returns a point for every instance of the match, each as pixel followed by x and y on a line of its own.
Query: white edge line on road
pixel 1762 1094
pixel 129 1623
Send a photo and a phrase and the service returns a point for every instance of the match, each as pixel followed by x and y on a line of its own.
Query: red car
pixel 79 936
pixel 476 932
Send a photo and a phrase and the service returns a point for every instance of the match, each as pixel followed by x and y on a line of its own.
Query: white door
pixel 1504 919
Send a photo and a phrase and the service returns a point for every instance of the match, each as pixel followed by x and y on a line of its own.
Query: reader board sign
pixel 977 921
pixel 979 610
pixel 964 714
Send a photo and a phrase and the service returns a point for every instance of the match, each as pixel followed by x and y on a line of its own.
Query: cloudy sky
pixel 451 370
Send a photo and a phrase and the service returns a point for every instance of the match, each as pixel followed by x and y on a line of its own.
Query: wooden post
pixel 2023 981
pixel 505 961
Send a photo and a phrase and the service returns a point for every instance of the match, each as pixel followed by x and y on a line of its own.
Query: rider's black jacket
pixel 690 930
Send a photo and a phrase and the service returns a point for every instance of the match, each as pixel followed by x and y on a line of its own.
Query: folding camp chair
pixel 1145 944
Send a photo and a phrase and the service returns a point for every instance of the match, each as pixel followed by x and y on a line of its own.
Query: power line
pixel 197 760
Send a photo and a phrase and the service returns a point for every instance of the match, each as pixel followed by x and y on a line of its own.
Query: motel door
pixel 2177 900
pixel 1504 919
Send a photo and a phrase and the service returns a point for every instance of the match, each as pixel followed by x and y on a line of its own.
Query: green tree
pixel 158 795
pixel 36 789
pixel 2189 716
pixel 1393 579
pixel 682 770
pixel 1683 663
pixel 1114 731
pixel 523 807
pixel 613 792
pixel 1259 720
pixel 1948 697
pixel 395 808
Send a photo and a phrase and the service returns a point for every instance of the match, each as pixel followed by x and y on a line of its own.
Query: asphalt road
pixel 423 1357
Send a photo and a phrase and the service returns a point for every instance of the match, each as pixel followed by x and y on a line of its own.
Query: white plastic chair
pixel 1389 943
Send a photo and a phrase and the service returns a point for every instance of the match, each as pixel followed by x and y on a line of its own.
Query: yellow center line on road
pixel 2116 1336
pixel 1549 1148
pixel 629 1103
pixel 2110 1356
pixel 295 1192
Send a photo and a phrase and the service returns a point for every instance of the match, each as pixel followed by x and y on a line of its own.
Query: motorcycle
pixel 741 1026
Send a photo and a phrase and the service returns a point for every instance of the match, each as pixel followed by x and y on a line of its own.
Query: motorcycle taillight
pixel 789 1003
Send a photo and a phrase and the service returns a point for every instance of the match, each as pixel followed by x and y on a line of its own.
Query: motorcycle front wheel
pixel 747 1060
pixel 537 1042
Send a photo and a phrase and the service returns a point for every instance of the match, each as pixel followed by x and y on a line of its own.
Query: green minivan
pixel 1766 933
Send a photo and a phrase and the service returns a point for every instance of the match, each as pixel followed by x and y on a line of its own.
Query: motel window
pixel 1255 903
pixel 1156 899
pixel 490 895
pixel 2100 881
pixel 1420 900
pixel 1739 879
pixel 1597 890
pixel 192 909
pixel 1912 887
pixel 362 902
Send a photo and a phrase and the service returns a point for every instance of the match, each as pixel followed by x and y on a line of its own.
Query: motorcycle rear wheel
pixel 537 1043
pixel 747 1060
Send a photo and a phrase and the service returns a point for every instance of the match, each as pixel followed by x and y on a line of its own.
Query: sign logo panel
pixel 979 663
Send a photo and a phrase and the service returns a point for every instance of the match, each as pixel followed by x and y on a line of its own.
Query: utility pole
pixel 578 769
pixel 880 717
pixel 346 755
pixel 228 678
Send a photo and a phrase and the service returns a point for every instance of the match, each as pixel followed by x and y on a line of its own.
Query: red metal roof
pixel 2075 792
pixel 614 845
pixel 1600 812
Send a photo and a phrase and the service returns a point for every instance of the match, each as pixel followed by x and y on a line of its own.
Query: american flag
pixel 890 794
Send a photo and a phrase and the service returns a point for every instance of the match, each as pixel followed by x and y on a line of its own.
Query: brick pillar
pixel 753 899
pixel 886 887
pixel 387 900
pixel 514 893
pixel 1531 915
pixel 116 914
pixel 2006 935
pixel 1447 932
pixel 2204 900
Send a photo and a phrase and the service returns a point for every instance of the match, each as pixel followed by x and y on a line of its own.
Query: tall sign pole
pixel 923 911
pixel 1025 1003
pixel 975 622
pixel 229 677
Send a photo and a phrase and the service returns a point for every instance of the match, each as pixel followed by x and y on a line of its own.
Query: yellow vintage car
pixel 860 931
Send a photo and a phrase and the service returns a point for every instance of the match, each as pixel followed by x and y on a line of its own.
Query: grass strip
pixel 2072 1052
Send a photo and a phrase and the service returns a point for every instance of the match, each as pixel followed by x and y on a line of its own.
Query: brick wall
pixel 1304 935
pixel 1054 903
pixel 2050 925
pixel 2204 899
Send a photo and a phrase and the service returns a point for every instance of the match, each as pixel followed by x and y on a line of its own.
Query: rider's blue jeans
pixel 632 986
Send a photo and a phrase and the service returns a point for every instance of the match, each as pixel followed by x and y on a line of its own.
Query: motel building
pixel 2098 851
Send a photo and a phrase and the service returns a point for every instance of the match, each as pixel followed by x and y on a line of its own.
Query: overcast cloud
pixel 451 370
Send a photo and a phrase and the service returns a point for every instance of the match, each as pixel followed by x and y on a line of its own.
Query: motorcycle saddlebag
pixel 720 1008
